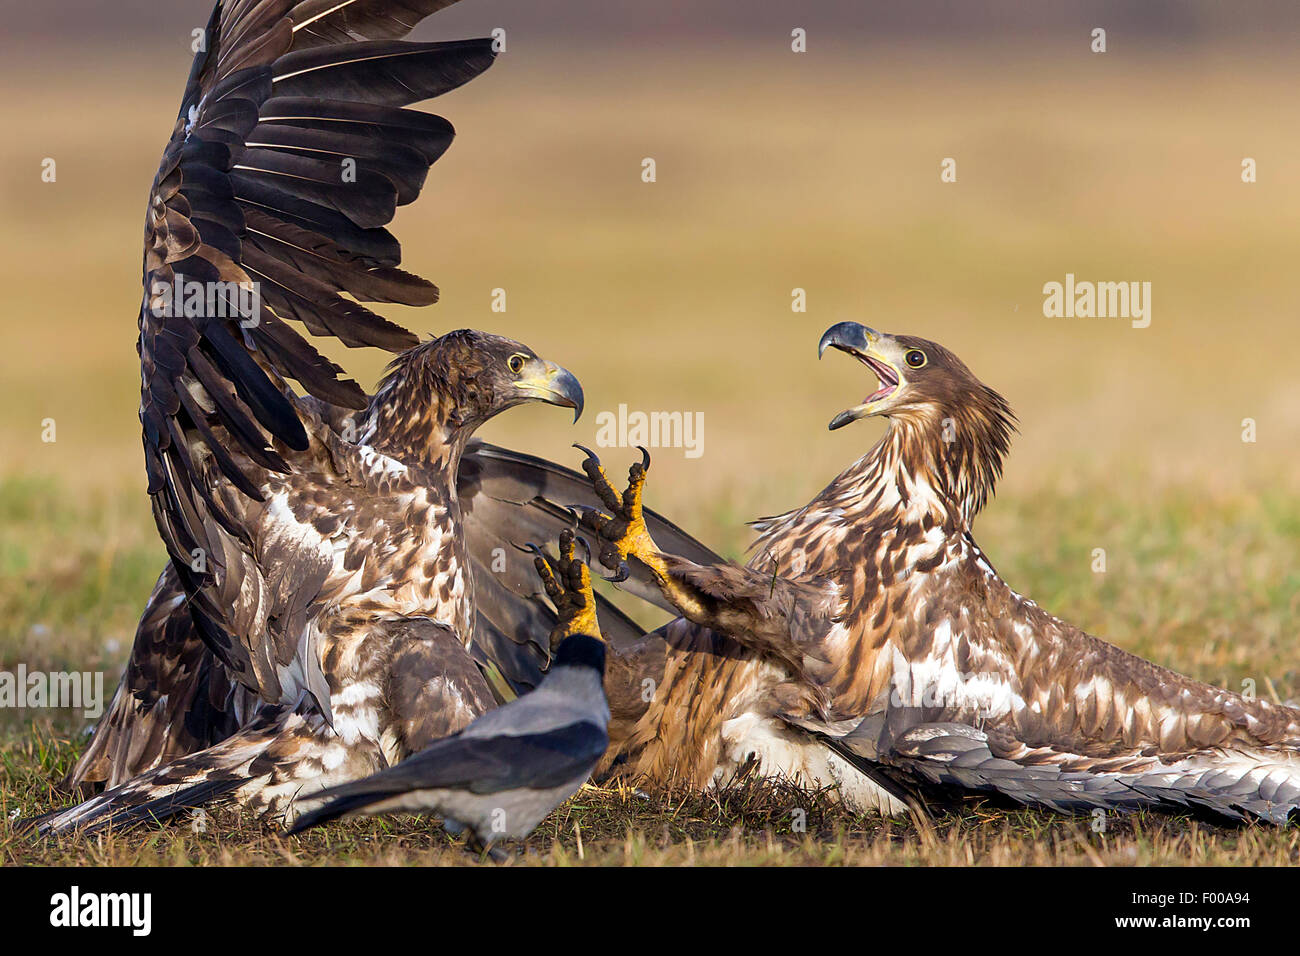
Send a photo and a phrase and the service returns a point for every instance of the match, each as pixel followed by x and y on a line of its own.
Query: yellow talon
pixel 569 588
pixel 624 533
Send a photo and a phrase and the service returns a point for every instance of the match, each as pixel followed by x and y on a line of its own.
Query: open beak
pixel 555 386
pixel 861 342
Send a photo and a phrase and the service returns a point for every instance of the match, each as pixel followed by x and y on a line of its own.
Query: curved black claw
pixel 544 571
pixel 600 482
pixel 596 521
pixel 645 457
pixel 586 548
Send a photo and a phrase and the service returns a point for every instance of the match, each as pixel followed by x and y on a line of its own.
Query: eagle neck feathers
pixel 935 466
pixel 955 452
pixel 412 419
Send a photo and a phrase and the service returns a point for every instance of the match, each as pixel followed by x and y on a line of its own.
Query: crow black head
pixel 580 650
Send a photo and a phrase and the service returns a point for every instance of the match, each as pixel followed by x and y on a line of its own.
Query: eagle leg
pixel 777 617
pixel 568 586
pixel 622 534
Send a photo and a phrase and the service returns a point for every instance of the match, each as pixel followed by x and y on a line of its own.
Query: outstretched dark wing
pixel 509 500
pixel 290 153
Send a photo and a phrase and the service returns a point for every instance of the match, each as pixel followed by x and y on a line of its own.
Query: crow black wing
pixel 481 765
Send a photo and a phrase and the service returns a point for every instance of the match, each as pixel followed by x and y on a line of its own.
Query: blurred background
pixel 776 170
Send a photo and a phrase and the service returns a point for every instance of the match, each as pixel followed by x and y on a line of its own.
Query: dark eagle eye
pixel 516 363
pixel 914 358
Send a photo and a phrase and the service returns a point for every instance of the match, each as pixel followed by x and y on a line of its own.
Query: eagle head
pixel 440 391
pixel 947 421
pixel 917 378
pixel 480 375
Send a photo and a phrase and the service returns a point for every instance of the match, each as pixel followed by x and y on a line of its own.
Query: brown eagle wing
pixel 509 500
pixel 290 153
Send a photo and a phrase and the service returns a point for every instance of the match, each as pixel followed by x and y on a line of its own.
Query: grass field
pixel 773 173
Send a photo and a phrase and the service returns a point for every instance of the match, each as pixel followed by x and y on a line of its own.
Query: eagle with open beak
pixel 870 645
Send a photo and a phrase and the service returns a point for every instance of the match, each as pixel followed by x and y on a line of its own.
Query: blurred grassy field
pixel 775 171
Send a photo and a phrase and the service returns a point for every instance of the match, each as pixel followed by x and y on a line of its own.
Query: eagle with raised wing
pixel 870 645
pixel 328 608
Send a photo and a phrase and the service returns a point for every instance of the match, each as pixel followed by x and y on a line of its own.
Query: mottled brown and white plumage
pixel 870 645
pixel 320 617
pixel 319 551
pixel 349 585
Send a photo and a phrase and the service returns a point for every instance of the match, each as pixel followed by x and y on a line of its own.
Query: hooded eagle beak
pixel 862 343
pixel 555 386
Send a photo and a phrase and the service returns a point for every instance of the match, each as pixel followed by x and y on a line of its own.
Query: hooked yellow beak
pixel 863 344
pixel 552 384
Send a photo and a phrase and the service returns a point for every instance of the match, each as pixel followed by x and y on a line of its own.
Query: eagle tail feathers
pixel 256 767
pixel 174 698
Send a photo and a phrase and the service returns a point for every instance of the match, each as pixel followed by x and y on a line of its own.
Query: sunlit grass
pixel 75 571
pixel 752 825
pixel 1203 585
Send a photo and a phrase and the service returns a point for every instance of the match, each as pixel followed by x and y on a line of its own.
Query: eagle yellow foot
pixel 622 534
pixel 568 586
